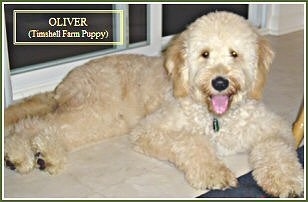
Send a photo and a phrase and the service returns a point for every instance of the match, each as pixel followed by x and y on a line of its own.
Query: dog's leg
pixel 191 153
pixel 37 105
pixel 276 168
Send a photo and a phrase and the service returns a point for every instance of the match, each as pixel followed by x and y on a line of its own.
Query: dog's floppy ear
pixel 265 58
pixel 175 65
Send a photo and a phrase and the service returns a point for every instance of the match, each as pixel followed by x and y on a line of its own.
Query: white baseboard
pixel 285 30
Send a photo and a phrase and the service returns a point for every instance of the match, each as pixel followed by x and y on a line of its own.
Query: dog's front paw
pixel 279 184
pixel 18 155
pixel 208 176
pixel 48 163
pixel 50 155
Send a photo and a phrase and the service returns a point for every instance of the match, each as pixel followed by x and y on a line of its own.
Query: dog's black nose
pixel 220 83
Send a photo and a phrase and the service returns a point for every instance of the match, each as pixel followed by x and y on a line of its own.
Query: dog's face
pixel 219 60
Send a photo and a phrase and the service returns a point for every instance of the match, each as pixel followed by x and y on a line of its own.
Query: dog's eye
pixel 233 53
pixel 205 54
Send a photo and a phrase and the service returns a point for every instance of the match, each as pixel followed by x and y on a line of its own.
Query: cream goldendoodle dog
pixel 206 105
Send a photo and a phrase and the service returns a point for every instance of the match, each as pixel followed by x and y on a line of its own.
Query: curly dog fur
pixel 214 70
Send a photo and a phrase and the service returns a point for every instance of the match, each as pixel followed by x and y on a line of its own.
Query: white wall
pixel 285 18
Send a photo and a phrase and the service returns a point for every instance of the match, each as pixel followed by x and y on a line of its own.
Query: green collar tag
pixel 215 125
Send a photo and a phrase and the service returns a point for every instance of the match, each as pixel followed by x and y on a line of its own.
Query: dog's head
pixel 219 60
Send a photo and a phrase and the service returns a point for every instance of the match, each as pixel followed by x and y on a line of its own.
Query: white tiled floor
pixel 111 169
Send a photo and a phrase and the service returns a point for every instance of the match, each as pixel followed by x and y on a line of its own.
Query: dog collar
pixel 215 124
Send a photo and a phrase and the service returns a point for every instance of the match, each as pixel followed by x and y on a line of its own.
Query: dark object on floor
pixel 247 187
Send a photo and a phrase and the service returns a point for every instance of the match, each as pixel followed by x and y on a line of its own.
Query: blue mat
pixel 247 186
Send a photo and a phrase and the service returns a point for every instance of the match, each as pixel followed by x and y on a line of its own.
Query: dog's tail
pixel 36 105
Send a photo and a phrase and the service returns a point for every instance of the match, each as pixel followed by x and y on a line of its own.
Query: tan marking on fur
pixel 125 90
pixel 234 87
pixel 266 56
pixel 175 65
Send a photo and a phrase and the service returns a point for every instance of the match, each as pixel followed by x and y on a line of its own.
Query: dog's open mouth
pixel 220 103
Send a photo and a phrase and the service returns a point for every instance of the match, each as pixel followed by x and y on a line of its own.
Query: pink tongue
pixel 220 103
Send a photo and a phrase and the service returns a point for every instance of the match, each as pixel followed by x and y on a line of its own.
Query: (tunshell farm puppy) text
pixel 66 33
